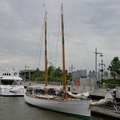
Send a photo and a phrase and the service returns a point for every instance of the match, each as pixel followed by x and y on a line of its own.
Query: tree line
pixel 55 74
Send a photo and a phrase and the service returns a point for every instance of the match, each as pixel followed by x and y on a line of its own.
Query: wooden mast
pixel 46 67
pixel 63 54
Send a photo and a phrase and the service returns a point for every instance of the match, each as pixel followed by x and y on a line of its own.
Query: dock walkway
pixel 105 111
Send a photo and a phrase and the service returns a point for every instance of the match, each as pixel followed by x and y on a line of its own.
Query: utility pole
pixel 96 73
pixel 71 70
pixel 101 70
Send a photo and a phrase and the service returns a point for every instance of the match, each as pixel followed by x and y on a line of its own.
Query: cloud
pixel 88 24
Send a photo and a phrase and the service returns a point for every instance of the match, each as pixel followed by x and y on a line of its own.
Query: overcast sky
pixel 89 24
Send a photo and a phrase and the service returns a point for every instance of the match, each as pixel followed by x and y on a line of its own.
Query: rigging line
pixel 50 51
pixel 57 39
pixel 77 44
pixel 39 41
pixel 83 42
pixel 55 48
pixel 65 38
pixel 39 51
pixel 75 48
pixel 71 47
pixel 41 47
pixel 52 48
pixel 80 53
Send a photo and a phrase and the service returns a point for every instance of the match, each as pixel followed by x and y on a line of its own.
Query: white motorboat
pixel 58 99
pixel 10 84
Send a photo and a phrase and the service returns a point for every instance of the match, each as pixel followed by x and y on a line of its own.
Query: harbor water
pixel 15 108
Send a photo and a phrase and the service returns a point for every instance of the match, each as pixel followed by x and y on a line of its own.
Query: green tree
pixel 54 74
pixel 38 75
pixel 114 67
pixel 69 76
pixel 37 72
pixel 51 72
pixel 58 72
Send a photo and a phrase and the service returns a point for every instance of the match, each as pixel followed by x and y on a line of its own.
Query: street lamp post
pixel 71 70
pixel 96 75
pixel 26 67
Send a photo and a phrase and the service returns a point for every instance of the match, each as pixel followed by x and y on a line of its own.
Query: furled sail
pixel 108 98
pixel 81 95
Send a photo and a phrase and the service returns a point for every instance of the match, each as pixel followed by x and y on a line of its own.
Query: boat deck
pixel 50 97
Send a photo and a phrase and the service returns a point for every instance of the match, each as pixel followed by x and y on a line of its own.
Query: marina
pixel 69 67
pixel 108 110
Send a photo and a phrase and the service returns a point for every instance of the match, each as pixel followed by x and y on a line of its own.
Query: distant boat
pixel 57 98
pixel 10 84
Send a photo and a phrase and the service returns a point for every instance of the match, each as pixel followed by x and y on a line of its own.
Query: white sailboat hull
pixel 74 107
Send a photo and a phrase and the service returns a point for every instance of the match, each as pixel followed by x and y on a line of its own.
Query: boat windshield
pixel 6 82
pixel 9 82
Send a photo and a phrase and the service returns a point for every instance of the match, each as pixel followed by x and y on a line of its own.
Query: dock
pixel 105 111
